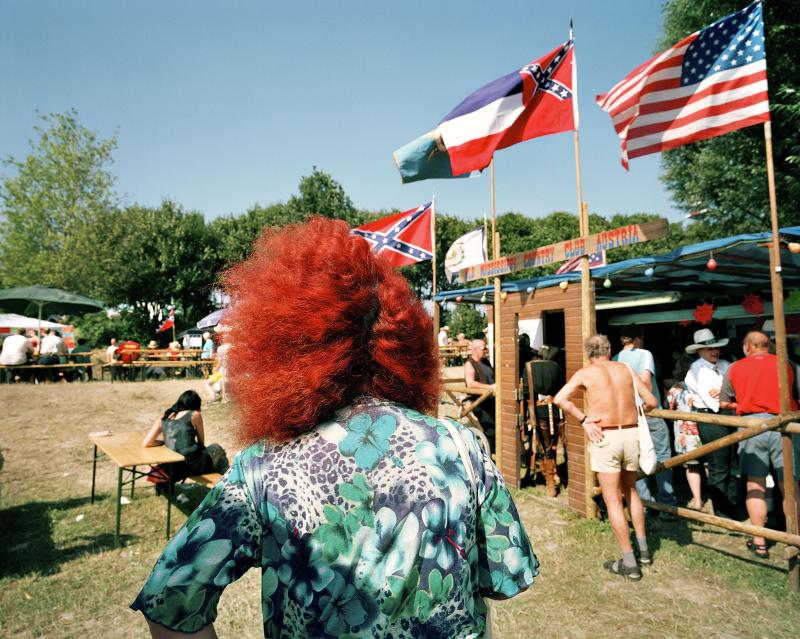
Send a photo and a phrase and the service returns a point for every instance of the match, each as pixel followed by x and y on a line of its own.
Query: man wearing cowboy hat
pixel 704 381
pixel 444 336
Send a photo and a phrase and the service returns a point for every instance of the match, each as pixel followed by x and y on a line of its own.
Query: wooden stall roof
pixel 742 267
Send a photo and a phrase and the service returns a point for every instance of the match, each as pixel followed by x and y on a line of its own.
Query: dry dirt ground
pixel 61 577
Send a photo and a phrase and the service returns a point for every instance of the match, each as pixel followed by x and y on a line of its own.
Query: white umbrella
pixel 12 320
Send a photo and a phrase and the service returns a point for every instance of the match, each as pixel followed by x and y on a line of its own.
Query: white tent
pixel 12 320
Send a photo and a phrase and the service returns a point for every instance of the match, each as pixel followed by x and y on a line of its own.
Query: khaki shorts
pixel 619 451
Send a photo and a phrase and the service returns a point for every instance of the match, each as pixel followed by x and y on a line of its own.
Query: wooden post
pixel 790 484
pixel 433 275
pixel 587 317
pixel 498 394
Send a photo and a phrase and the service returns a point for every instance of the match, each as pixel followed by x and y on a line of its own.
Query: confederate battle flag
pixel 403 238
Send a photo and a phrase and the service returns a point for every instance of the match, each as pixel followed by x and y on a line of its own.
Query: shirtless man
pixel 610 424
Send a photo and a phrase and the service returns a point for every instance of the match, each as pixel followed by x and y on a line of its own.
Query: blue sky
pixel 220 105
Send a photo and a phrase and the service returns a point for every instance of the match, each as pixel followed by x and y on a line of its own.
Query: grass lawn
pixel 60 576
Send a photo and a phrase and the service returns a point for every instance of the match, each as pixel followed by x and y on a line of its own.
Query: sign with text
pixel 554 253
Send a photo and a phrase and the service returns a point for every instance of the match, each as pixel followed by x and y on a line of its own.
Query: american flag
pixel 711 82
pixel 403 238
pixel 574 264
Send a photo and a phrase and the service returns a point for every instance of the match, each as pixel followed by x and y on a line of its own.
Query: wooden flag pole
pixel 588 322
pixel 587 316
pixel 495 252
pixel 486 240
pixel 436 318
pixel 498 396
pixel 790 484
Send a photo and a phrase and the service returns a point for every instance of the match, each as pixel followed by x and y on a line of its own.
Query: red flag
pixel 169 322
pixel 403 238
pixel 710 83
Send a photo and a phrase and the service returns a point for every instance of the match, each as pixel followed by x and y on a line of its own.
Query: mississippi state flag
pixel 403 238
pixel 169 322
pixel 527 103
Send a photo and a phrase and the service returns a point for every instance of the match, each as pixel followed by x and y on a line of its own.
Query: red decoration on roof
pixel 753 304
pixel 703 313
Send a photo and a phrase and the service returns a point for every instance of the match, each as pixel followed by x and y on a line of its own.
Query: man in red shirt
pixel 751 386
pixel 128 352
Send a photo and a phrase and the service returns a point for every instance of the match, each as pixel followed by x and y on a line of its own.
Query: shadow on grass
pixel 28 546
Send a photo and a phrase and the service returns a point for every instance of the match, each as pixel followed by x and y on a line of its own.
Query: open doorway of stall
pixel 548 329
pixel 554 334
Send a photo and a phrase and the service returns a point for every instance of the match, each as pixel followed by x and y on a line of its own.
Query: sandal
pixel 617 567
pixel 759 550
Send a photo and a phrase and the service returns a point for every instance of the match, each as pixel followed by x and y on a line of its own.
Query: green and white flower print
pixel 366 527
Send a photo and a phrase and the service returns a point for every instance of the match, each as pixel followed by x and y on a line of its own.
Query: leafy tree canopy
pixel 727 175
pixel 320 194
pixel 52 197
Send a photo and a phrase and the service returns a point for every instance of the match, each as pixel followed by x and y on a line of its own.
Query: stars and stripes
pixel 710 83
pixel 403 238
pixel 574 264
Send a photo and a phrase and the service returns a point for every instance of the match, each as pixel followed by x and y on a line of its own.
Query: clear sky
pixel 220 105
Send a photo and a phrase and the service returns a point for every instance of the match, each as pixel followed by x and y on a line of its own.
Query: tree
pixel 235 234
pixel 467 319
pixel 55 194
pixel 320 194
pixel 420 276
pixel 162 255
pixel 727 175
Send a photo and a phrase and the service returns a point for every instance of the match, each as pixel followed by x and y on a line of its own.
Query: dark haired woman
pixel 367 516
pixel 182 429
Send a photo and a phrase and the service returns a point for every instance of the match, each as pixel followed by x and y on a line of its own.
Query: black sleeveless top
pixel 180 435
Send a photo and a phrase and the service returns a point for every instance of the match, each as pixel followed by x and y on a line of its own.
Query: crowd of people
pixel 736 475
pixel 731 481
pixel 22 350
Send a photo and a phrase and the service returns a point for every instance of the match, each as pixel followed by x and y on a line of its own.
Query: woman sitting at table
pixel 182 429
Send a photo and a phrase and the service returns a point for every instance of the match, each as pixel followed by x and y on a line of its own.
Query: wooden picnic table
pixel 45 367
pixel 126 451
pixel 188 353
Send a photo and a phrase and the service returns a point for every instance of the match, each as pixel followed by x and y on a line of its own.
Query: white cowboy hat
pixel 704 338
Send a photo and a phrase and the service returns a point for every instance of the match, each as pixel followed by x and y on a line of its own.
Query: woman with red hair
pixel 350 497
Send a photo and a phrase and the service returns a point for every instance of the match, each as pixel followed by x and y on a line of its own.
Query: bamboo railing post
pixel 790 485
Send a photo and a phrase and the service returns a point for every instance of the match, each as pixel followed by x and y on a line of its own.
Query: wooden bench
pixel 141 365
pixel 209 480
pixel 44 368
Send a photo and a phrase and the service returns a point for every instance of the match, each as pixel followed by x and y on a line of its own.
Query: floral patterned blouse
pixel 366 526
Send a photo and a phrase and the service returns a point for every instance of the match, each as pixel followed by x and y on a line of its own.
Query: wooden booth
pixel 663 292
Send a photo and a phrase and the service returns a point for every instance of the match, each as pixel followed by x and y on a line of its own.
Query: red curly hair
pixel 316 320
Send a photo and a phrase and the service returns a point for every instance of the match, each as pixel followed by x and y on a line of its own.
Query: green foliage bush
pixel 99 328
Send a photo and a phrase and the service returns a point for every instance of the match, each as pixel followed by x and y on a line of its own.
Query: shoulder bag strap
pixel 639 402
pixel 462 451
